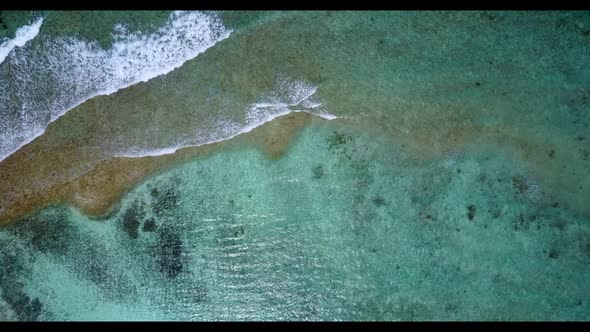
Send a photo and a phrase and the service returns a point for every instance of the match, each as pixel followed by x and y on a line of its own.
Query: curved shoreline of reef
pixel 97 191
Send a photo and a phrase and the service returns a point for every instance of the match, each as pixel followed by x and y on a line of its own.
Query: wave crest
pixel 44 80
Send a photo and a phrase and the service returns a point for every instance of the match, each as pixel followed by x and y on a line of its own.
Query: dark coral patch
pixel 164 199
pixel 318 172
pixel 520 223
pixel 170 254
pixel 379 201
pixel 12 268
pixel 132 218
pixel 239 231
pixel 471 212
pixel 149 225
pixel 553 253
pixel 26 309
pixel 337 139
pixel 519 183
pixel 48 232
pixel 425 215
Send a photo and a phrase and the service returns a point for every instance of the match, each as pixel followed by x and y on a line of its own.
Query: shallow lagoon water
pixel 344 227
pixel 428 210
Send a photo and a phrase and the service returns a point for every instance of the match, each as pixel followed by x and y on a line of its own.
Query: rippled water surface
pixel 444 173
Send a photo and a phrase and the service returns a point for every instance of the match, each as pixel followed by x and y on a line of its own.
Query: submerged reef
pixel 306 166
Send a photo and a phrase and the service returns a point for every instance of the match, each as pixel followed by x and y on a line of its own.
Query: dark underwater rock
pixel 164 199
pixel 133 217
pixel 170 254
pixel 149 225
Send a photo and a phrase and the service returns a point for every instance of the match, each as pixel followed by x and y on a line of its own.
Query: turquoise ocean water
pixel 426 198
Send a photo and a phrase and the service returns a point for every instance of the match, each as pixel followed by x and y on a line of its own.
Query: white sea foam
pixel 22 36
pixel 290 96
pixel 43 80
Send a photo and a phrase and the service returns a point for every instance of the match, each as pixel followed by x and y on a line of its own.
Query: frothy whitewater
pixel 47 77
pixel 22 36
pixel 287 97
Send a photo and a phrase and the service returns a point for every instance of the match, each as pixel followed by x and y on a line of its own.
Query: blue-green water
pixel 440 206
pixel 353 230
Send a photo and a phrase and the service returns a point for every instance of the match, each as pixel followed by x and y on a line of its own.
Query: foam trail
pixel 172 150
pixel 42 81
pixel 22 36
pixel 299 99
